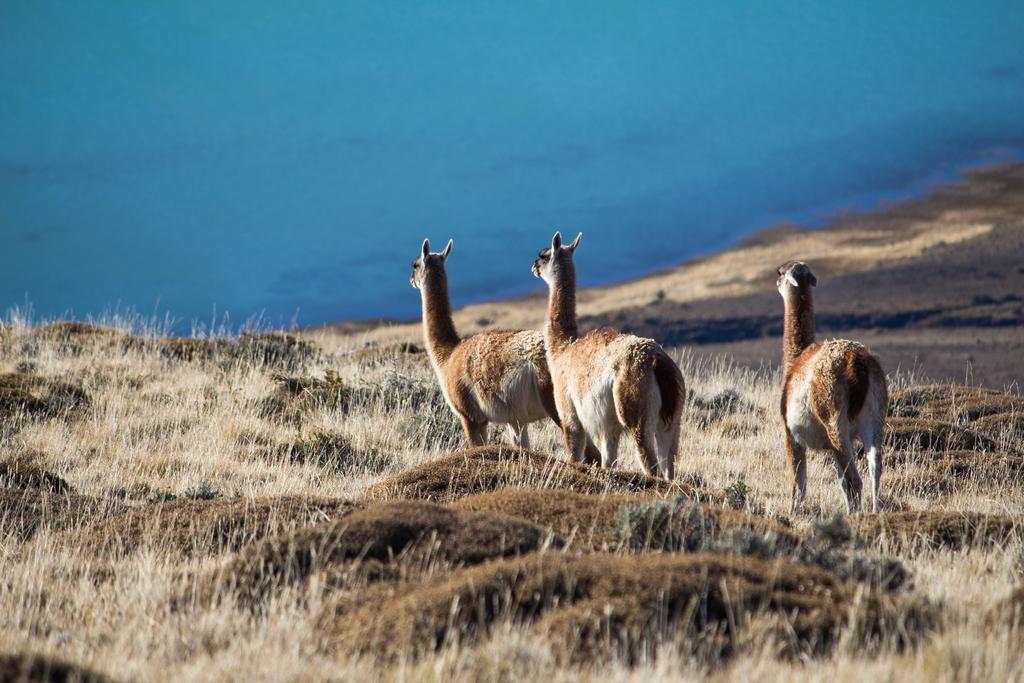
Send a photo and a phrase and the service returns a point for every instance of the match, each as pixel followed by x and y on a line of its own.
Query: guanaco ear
pixel 447 250
pixel 556 243
pixel 575 242
pixel 813 280
pixel 790 279
pixel 426 248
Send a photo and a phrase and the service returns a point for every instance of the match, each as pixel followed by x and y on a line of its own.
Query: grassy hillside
pixel 293 508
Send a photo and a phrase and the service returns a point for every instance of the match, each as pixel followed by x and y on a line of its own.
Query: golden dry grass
pixel 322 482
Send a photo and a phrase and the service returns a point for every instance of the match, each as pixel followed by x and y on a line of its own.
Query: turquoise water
pixel 218 163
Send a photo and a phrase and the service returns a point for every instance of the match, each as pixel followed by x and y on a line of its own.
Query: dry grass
pixel 274 507
pixel 210 527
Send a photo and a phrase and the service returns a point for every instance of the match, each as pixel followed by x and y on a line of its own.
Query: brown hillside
pixel 602 607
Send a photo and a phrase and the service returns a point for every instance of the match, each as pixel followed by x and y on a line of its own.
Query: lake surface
pixel 219 161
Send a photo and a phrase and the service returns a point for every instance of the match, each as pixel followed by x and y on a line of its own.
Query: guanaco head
pixel 795 276
pixel 428 264
pixel 555 259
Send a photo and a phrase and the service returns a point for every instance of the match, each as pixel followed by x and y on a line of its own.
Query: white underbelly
pixel 596 408
pixel 517 400
pixel 805 427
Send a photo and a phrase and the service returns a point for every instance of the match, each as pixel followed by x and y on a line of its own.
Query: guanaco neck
pixel 438 326
pixel 798 326
pixel 561 328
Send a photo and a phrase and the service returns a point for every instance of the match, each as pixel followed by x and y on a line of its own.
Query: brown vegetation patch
pixel 940 472
pixel 23 473
pixel 952 402
pixel 26 394
pixel 273 349
pixel 1009 612
pixel 74 337
pixel 295 396
pixel 600 607
pixel 34 668
pixel 336 452
pixel 596 520
pixel 1001 425
pixel 489 468
pixel 379 533
pixel 23 512
pixel 920 434
pixel 380 353
pixel 720 407
pixel 186 349
pixel 908 531
pixel 207 527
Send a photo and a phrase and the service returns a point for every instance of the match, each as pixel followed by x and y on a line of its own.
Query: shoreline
pixel 934 281
pixel 924 189
pixel 934 191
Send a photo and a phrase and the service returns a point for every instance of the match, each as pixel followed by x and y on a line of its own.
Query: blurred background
pixel 220 162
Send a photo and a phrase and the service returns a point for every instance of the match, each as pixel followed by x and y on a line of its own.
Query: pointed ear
pixel 426 248
pixel 791 280
pixel 447 249
pixel 813 280
pixel 556 242
pixel 575 242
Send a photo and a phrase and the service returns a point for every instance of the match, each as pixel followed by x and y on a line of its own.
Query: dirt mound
pixel 23 512
pixel 32 668
pixel 379 533
pixel 206 527
pixel 598 607
pixel 908 531
pixel 932 473
pixel 297 395
pixel 273 349
pixel 987 414
pixel 920 434
pixel 294 396
pixel 1000 425
pixel 25 394
pixel 952 403
pixel 374 354
pixel 596 520
pixel 74 337
pixel 336 452
pixel 489 468
pixel 22 473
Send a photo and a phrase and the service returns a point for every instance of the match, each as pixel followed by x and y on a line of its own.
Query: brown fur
pixel 670 383
pixel 834 378
pixel 472 370
pixel 579 363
